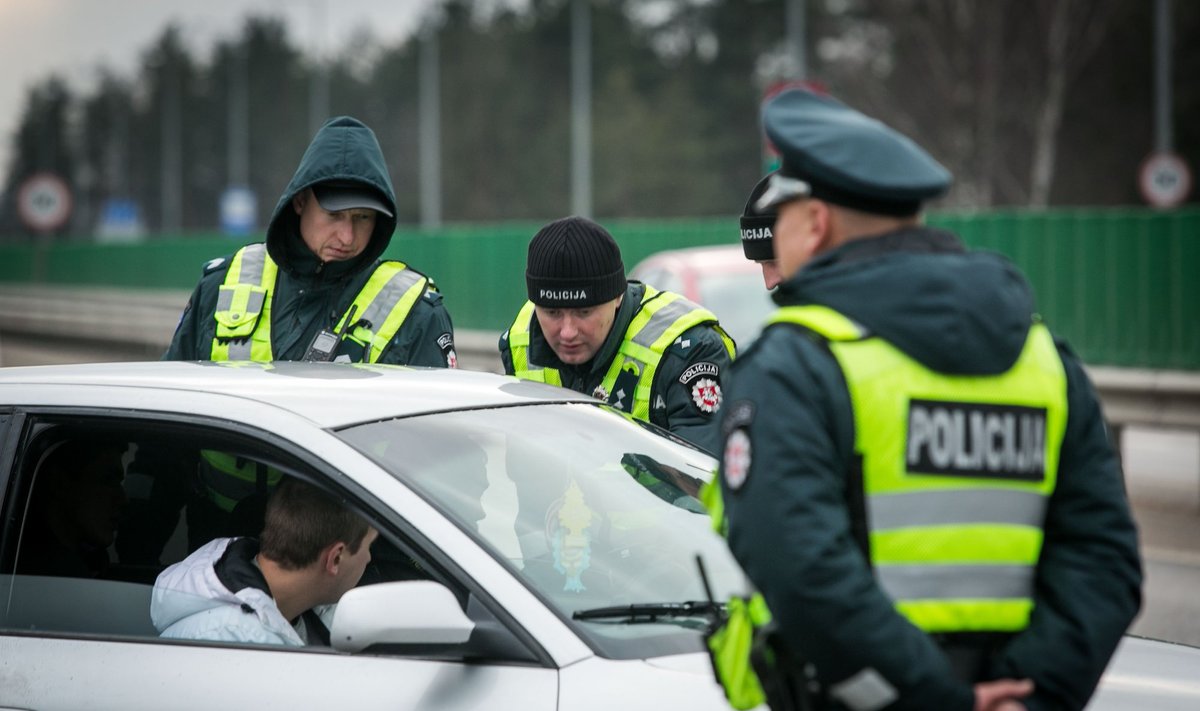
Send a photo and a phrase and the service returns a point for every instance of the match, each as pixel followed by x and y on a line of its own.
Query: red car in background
pixel 719 278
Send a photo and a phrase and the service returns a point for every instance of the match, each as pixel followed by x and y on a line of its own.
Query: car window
pixel 97 508
pixel 660 278
pixel 588 509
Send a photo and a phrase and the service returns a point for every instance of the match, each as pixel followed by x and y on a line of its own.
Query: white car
pixel 537 551
pixel 719 278
pixel 519 524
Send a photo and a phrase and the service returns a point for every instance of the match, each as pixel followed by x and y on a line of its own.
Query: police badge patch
pixel 736 465
pixel 704 379
pixel 446 343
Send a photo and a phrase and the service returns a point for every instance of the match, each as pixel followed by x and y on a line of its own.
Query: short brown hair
pixel 301 521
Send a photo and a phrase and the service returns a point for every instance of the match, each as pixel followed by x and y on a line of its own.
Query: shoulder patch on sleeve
pixel 446 343
pixel 214 264
pixel 701 369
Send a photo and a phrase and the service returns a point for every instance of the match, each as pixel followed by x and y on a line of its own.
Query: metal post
pixel 238 148
pixel 1163 140
pixel 581 108
pixel 318 92
pixel 172 159
pixel 430 130
pixel 795 39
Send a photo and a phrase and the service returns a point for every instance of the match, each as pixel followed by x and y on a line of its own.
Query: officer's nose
pixel 570 328
pixel 344 232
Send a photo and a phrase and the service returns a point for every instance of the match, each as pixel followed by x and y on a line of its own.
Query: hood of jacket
pixel 195 585
pixel 344 149
pixel 955 311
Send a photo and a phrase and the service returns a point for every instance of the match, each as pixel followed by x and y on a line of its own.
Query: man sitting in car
pixel 274 591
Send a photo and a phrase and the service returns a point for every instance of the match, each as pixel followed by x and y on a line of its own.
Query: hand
pixel 1002 694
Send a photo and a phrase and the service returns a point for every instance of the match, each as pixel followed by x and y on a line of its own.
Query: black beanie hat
pixel 758 241
pixel 573 263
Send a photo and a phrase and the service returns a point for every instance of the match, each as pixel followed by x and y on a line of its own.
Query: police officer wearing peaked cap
pixel 650 353
pixel 916 474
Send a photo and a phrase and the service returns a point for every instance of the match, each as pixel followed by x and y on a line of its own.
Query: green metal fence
pixel 1123 286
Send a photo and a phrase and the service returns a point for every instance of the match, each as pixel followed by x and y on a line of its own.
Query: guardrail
pixel 124 324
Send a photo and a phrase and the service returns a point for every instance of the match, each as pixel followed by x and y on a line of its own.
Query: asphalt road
pixel 1162 470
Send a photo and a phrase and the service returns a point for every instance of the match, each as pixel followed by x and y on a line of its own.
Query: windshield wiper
pixel 651 612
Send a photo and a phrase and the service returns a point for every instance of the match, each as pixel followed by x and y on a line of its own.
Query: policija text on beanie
pixel 574 263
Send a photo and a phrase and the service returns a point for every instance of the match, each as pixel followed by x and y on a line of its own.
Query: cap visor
pixel 337 199
pixel 782 189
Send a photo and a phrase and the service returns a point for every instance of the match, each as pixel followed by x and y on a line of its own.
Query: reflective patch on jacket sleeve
pixel 213 264
pixel 865 691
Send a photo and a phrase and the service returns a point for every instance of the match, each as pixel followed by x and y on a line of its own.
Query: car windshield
pixel 739 301
pixel 591 511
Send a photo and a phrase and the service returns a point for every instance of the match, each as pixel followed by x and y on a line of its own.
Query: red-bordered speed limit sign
pixel 44 202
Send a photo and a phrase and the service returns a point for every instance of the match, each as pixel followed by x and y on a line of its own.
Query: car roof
pixel 329 394
pixel 721 258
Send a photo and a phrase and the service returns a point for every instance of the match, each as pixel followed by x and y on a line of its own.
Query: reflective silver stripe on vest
pixel 254 260
pixel 661 321
pixel 253 304
pixel 387 298
pixel 240 349
pixel 941 508
pixel 955 582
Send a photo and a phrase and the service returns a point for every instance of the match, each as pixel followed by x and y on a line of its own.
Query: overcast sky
pixel 73 38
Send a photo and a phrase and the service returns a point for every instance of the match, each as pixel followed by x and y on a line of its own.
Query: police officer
pixel 647 352
pixel 757 234
pixel 317 289
pixel 916 474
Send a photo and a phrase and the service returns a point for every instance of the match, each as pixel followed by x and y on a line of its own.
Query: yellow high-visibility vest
pixel 957 473
pixel 662 318
pixel 243 312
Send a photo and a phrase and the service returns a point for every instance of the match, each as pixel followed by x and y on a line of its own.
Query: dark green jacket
pixel 956 312
pixel 672 406
pixel 310 295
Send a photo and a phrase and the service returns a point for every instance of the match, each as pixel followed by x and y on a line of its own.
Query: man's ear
pixel 299 200
pixel 331 557
pixel 820 220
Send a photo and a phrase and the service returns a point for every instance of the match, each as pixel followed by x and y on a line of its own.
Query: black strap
pixel 318 633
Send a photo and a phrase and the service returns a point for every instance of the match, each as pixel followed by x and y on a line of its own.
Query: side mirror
pixel 407 612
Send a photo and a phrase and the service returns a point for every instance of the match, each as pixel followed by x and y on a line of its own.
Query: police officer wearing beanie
pixel 585 327
pixel 915 473
pixel 758 242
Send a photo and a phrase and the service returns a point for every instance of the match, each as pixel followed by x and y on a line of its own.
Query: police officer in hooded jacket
pixel 317 290
pixel 916 474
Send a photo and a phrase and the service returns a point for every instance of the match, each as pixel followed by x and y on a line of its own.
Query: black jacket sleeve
pixel 687 375
pixel 426 338
pixel 1089 577
pixel 194 334
pixel 790 528
pixel 505 354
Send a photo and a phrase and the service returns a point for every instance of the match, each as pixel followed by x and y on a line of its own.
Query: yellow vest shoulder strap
pixel 243 312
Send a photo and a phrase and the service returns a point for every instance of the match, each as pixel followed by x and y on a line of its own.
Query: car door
pixel 75 628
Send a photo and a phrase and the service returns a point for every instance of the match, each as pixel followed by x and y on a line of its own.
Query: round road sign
pixel 44 202
pixel 1165 180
